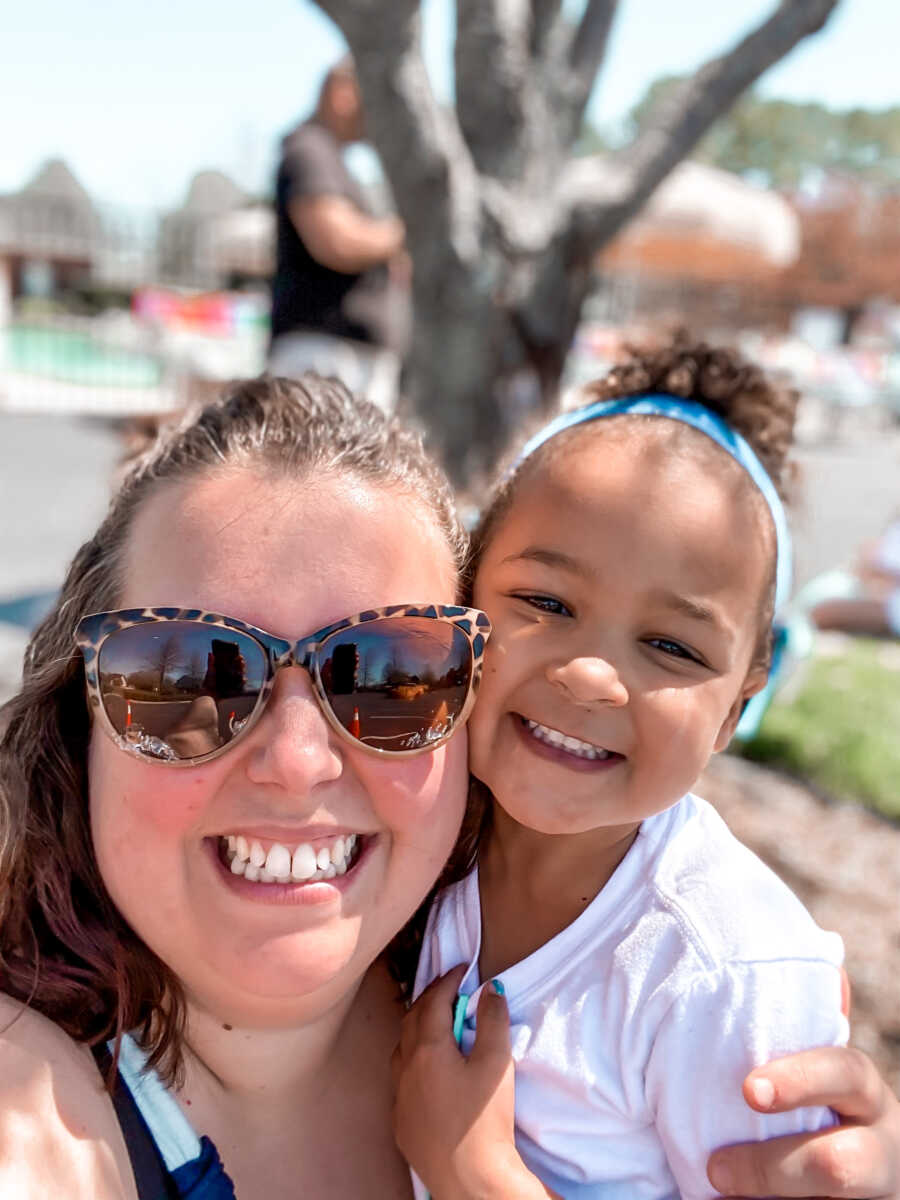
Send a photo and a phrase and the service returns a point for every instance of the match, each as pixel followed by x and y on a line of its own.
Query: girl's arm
pixel 859 1158
pixel 453 1116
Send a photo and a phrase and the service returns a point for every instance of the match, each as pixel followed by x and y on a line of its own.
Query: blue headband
pixel 689 412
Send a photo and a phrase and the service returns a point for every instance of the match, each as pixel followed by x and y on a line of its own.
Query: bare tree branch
pixel 493 80
pixel 684 117
pixel 544 20
pixel 601 195
pixel 430 169
pixel 586 56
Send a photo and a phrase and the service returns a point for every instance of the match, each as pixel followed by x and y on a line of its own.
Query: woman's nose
pixel 589 680
pixel 293 744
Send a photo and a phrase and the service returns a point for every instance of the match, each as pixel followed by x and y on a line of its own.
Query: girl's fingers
pixel 849 1163
pixel 492 1032
pixel 431 1017
pixel 832 1076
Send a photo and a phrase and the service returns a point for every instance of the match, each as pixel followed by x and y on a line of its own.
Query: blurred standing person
pixel 340 303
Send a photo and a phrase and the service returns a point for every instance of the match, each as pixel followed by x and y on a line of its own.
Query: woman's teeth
pixel 562 741
pixel 280 864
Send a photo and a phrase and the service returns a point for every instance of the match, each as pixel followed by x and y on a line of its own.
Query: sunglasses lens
pixel 176 690
pixel 397 684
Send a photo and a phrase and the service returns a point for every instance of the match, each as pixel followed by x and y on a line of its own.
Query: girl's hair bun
pixel 763 410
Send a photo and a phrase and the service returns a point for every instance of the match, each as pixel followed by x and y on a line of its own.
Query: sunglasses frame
pixel 93 630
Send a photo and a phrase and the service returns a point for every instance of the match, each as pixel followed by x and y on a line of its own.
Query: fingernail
pixel 720 1176
pixel 763 1092
pixel 498 987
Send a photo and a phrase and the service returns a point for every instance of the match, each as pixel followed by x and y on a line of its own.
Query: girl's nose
pixel 294 747
pixel 589 680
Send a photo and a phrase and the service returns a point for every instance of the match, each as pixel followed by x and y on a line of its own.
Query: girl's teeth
pixel 247 857
pixel 573 745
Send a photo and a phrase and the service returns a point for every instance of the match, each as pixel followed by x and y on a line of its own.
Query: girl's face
pixel 289 558
pixel 624 589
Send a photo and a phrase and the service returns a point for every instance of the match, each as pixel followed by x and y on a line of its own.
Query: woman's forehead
pixel 284 550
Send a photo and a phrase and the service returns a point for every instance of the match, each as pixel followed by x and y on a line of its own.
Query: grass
pixel 841 729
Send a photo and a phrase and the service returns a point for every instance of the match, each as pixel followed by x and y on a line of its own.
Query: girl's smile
pixel 568 751
pixel 625 590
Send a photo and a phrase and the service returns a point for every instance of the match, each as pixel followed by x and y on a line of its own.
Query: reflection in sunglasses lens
pixel 397 684
pixel 177 690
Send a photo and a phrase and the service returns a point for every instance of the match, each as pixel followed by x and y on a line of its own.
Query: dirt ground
pixel 844 864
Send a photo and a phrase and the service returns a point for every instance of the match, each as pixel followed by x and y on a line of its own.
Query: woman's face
pixel 289 558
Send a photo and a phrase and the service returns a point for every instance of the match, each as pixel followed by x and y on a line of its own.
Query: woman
pixel 205 842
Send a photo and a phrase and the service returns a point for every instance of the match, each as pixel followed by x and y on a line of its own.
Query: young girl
pixel 632 565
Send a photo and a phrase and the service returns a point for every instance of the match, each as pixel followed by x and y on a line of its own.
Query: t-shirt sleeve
pixel 312 168
pixel 726 1023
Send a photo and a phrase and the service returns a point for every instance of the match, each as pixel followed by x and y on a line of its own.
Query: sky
pixel 137 97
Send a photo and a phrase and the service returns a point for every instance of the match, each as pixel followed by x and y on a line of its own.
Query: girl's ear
pixel 755 682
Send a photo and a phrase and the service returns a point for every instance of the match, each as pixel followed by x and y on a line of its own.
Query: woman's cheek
pixel 130 799
pixel 425 795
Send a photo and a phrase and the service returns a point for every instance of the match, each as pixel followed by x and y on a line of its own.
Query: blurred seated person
pixel 865 599
pixel 197 733
pixel 340 303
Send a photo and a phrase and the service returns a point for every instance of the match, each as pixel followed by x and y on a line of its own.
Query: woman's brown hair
pixel 64 947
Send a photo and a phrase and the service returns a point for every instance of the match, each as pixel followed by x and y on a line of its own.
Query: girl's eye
pixel 548 604
pixel 674 648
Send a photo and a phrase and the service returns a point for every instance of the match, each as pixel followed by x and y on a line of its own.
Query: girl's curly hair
pixel 758 407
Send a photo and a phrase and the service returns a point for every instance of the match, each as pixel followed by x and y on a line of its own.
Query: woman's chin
pixel 261 994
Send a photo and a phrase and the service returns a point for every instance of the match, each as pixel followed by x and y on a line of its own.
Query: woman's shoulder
pixel 58 1130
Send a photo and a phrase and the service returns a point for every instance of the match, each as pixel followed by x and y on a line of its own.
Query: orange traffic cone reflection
pixel 354 724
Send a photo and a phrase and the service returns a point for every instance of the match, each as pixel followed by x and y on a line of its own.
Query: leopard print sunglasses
pixel 179 686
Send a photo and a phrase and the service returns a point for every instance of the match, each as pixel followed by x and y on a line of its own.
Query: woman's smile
pixel 292 819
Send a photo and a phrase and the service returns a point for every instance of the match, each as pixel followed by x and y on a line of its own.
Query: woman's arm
pixel 58 1131
pixel 858 1159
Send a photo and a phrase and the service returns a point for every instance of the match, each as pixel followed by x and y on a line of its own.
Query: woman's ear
pixel 756 680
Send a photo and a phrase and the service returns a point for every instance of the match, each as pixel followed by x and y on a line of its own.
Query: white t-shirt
pixel 632 1029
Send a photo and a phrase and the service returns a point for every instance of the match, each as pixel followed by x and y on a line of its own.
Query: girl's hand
pixel 859 1159
pixel 454 1116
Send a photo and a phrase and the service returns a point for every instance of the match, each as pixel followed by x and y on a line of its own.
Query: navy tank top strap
pixel 151 1178
pixel 169 1161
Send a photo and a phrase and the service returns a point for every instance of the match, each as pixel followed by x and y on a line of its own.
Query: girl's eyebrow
pixel 548 558
pixel 696 610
